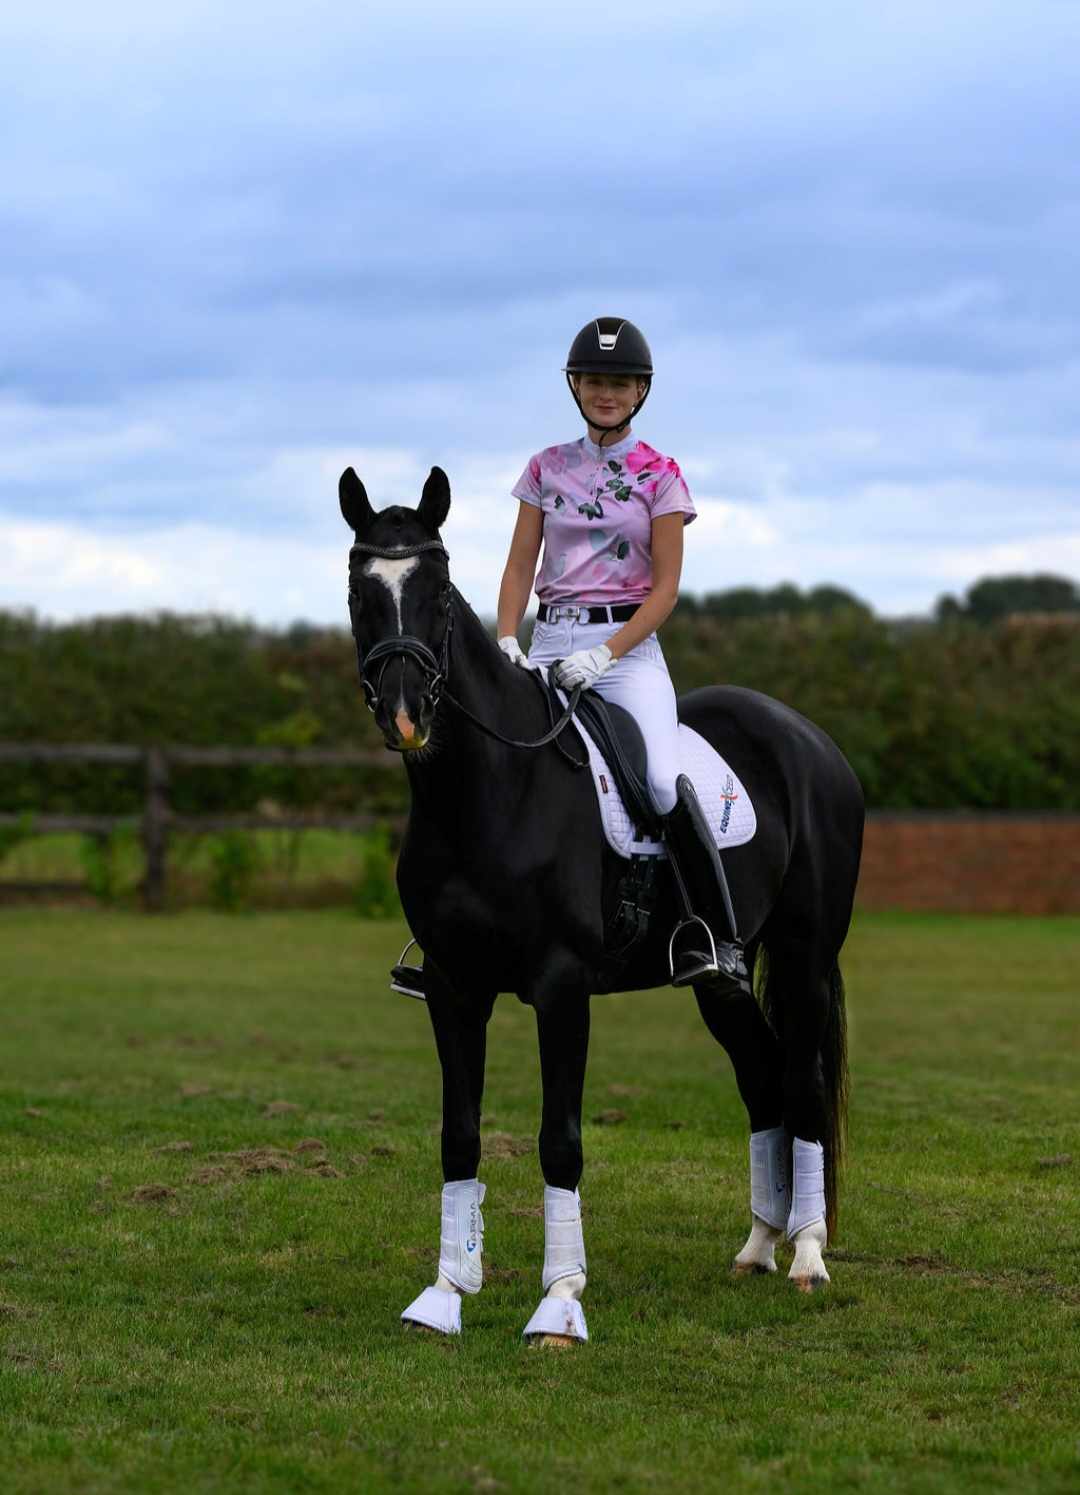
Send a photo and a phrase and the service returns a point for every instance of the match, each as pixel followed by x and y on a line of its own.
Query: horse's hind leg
pixel 461 1039
pixel 563 1032
pixel 807 997
pixel 737 1023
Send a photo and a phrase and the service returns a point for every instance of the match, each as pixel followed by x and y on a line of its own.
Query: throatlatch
pixel 702 884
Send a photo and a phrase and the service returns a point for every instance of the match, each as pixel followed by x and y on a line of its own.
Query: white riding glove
pixel 513 651
pixel 585 667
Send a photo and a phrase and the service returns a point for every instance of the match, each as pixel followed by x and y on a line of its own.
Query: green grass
pixel 224 1315
pixel 291 868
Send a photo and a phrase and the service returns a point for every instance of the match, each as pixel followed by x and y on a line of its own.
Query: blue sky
pixel 244 246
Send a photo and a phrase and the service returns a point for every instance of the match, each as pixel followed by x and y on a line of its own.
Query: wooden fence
pixel 976 862
pixel 157 819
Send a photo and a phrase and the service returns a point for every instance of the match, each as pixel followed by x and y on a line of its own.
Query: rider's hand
pixel 585 667
pixel 513 650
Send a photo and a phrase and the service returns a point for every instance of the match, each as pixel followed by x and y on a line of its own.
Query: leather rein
pixel 437 668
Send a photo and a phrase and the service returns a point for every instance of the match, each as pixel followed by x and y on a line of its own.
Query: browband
pixel 399 552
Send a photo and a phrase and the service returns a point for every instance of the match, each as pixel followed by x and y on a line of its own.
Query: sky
pixel 245 246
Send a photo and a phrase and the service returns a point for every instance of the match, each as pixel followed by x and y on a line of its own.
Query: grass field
pixel 220 1187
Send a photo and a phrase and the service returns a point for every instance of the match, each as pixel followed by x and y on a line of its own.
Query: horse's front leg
pixel 461 1038
pixel 563 1031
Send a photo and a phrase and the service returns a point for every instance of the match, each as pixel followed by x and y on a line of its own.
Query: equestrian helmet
pixel 609 345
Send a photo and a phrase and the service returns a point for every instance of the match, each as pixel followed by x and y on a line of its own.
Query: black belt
pixel 572 611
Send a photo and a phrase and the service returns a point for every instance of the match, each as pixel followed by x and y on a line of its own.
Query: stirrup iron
pixel 408 980
pixel 709 966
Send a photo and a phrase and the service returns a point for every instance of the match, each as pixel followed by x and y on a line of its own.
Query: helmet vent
pixel 608 339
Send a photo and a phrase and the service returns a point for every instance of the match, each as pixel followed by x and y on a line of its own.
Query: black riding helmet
pixel 610 345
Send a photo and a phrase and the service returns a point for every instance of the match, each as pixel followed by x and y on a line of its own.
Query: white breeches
pixel 639 682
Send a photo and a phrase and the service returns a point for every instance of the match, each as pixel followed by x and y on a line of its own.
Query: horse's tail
pixel 834 1067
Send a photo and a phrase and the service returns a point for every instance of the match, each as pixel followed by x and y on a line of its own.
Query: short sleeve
pixel 527 487
pixel 672 495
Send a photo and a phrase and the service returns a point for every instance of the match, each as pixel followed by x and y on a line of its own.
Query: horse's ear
pixel 355 504
pixel 435 501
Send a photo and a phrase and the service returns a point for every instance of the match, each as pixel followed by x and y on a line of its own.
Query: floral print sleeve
pixel 527 487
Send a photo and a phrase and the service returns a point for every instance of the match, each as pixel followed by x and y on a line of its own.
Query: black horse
pixel 508 885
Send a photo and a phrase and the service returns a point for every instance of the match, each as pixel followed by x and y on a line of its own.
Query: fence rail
pixel 157 819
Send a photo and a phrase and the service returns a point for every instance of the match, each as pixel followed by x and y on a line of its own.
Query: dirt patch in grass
pixel 504 1145
pixel 181 1146
pixel 152 1194
pixel 325 1169
pixel 256 1160
pixel 280 1108
pixel 609 1118
pixel 212 1175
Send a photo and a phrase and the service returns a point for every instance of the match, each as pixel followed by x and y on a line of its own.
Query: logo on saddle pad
pixel 729 796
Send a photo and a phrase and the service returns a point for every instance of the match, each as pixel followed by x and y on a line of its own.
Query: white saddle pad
pixel 723 798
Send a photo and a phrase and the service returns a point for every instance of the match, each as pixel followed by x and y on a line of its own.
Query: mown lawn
pixel 220 1187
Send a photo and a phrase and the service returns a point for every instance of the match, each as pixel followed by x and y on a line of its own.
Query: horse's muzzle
pixel 406 731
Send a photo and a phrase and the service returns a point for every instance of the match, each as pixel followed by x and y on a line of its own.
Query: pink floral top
pixel 599 504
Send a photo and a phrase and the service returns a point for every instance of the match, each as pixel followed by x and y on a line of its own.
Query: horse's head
pixel 399 604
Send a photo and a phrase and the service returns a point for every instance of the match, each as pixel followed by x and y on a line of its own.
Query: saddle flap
pixel 622 746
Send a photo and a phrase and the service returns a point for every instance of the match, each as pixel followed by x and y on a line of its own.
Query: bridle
pixel 405 645
pixel 437 667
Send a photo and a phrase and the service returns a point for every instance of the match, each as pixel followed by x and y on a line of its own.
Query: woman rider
pixel 609 512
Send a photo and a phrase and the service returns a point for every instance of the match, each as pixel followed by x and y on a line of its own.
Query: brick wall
pixel 971 862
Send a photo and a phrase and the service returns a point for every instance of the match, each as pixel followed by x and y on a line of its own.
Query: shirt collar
pixel 619 449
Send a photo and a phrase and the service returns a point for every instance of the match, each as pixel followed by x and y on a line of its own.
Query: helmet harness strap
pixel 647 378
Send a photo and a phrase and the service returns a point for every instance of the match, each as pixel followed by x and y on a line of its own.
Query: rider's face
pixel 608 399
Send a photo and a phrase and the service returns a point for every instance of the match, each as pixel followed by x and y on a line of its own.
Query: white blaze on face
pixel 393 575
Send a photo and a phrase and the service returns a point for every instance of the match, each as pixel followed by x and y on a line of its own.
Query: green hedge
pixel 935 715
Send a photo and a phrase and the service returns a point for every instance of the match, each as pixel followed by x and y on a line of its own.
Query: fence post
pixel 155 828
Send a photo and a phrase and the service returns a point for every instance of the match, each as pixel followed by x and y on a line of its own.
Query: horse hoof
pixel 425 1331
pixel 752 1268
pixel 810 1284
pixel 554 1341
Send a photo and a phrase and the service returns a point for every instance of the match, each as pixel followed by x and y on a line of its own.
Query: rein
pixel 436 669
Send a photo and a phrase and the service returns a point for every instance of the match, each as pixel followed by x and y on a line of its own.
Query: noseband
pixel 435 669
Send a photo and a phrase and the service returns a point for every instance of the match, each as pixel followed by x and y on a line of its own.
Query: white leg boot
pixel 770 1200
pixel 461 1252
pixel 560 1319
pixel 806 1222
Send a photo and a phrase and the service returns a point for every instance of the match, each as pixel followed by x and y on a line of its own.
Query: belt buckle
pixel 582 614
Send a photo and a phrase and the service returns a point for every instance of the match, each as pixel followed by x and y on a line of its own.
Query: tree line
pixel 967 710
